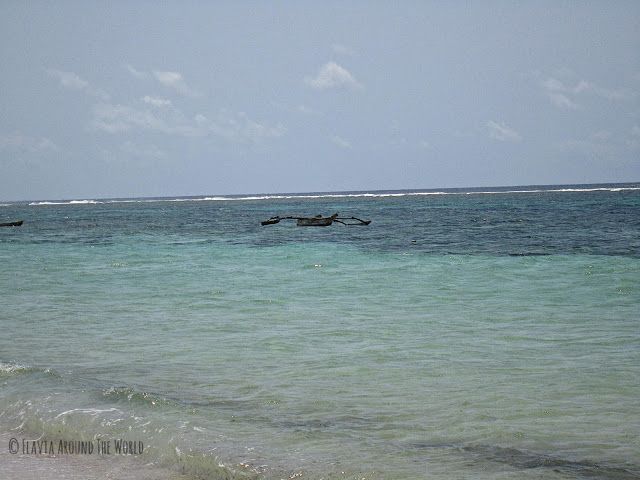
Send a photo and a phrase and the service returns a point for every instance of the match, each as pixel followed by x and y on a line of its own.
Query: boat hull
pixel 314 222
pixel 11 224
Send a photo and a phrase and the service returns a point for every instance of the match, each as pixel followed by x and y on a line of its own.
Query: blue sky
pixel 121 99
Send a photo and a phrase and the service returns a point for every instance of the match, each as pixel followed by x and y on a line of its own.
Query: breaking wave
pixel 70 202
pixel 129 394
pixel 11 369
pixel 311 196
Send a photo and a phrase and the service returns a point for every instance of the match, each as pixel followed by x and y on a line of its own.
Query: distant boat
pixel 318 221
pixel 11 224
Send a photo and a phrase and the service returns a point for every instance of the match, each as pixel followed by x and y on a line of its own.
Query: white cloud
pixel 562 95
pixel 69 79
pixel 602 135
pixel 73 81
pixel 306 110
pixel 560 100
pixel 175 81
pixel 502 133
pixel 143 151
pixel 255 131
pixel 301 108
pixel 19 142
pixel 332 75
pixel 609 94
pixel 171 121
pixel 342 50
pixel 169 79
pixel 122 118
pixel 238 127
pixel 135 73
pixel 341 142
pixel 156 101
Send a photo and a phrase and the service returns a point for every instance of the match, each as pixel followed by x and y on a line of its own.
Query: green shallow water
pixel 340 352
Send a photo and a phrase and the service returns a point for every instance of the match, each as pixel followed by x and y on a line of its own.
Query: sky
pixel 142 98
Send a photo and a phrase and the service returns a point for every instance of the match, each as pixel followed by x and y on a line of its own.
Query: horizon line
pixel 316 193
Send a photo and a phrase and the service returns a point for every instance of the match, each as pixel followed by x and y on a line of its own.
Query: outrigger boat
pixel 11 224
pixel 318 221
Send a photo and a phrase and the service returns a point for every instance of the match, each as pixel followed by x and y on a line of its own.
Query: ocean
pixel 489 333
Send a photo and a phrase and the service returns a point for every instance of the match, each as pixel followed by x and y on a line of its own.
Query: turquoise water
pixel 463 334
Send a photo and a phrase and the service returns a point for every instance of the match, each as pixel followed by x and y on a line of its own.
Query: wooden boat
pixel 318 221
pixel 11 224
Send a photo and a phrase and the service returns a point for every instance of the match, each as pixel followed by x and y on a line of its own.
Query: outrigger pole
pixel 358 221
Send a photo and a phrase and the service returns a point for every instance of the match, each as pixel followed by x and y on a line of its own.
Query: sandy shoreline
pixel 22 466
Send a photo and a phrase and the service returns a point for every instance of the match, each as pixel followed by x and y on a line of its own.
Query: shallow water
pixel 463 334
